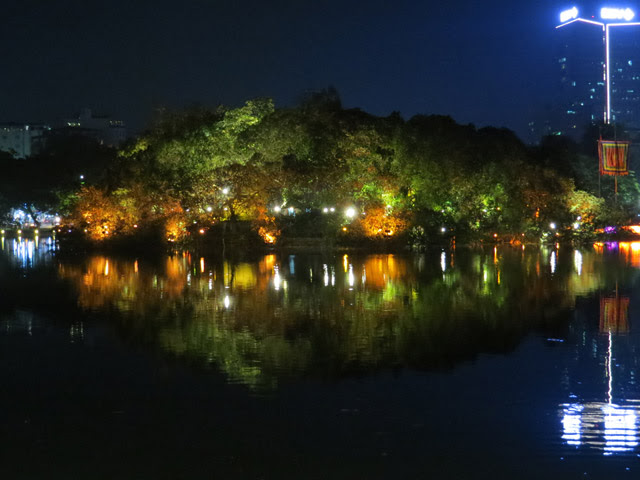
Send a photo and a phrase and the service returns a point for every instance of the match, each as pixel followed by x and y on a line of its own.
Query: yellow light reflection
pixel 266 264
pixel 345 263
pixel 631 251
pixel 245 276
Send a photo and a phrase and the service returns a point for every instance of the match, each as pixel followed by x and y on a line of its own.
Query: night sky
pixel 487 63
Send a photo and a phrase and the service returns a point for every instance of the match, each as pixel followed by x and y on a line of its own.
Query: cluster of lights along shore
pixel 608 18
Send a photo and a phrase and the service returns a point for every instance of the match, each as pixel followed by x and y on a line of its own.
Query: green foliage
pixel 428 175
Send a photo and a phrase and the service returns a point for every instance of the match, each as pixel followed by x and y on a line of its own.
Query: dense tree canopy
pixel 318 169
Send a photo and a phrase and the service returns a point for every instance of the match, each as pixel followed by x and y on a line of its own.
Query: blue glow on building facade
pixel 598 61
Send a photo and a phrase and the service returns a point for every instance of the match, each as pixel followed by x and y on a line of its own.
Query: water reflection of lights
pixel 604 426
pixel 571 424
pixel 351 277
pixel 23 251
pixel 631 250
pixel 577 260
pixel 227 301
pixel 277 280
pixel 76 332
pixel 552 262
pixel 443 262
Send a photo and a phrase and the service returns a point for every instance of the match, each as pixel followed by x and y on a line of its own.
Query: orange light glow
pixel 269 236
pixel 380 223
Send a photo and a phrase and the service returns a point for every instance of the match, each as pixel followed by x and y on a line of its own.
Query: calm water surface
pixel 498 363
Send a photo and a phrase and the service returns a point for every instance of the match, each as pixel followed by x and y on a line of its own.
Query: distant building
pixel 580 60
pixel 102 128
pixel 22 140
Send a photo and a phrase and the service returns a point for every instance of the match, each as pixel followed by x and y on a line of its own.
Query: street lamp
pixel 612 17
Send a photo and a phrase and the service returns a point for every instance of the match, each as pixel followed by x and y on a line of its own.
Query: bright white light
pixel 576 226
pixel 577 260
pixel 552 226
pixel 443 262
pixel 617 14
pixel 571 424
pixel 350 212
pixel 277 209
pixel 325 210
pixel 225 190
pixel 443 229
pixel 291 210
pixel 332 209
pixel 209 209
pixel 620 429
pixel 552 262
pixel 277 280
pixel 568 15
pixel 227 301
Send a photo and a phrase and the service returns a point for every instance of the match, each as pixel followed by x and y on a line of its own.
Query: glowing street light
pixel 568 15
pixel 350 212
pixel 612 17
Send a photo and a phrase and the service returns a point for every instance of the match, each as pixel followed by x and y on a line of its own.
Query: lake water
pixel 507 362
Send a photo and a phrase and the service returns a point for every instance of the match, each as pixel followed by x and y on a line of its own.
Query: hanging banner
pixel 613 157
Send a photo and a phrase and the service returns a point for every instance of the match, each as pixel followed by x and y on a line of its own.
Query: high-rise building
pixel 581 90
pixel 625 76
pixel 588 48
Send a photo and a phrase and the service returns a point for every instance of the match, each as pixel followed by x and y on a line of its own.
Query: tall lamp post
pixel 611 17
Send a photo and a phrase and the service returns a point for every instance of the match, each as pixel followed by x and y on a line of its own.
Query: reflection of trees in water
pixel 299 315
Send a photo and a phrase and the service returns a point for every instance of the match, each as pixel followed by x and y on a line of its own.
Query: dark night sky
pixel 487 63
